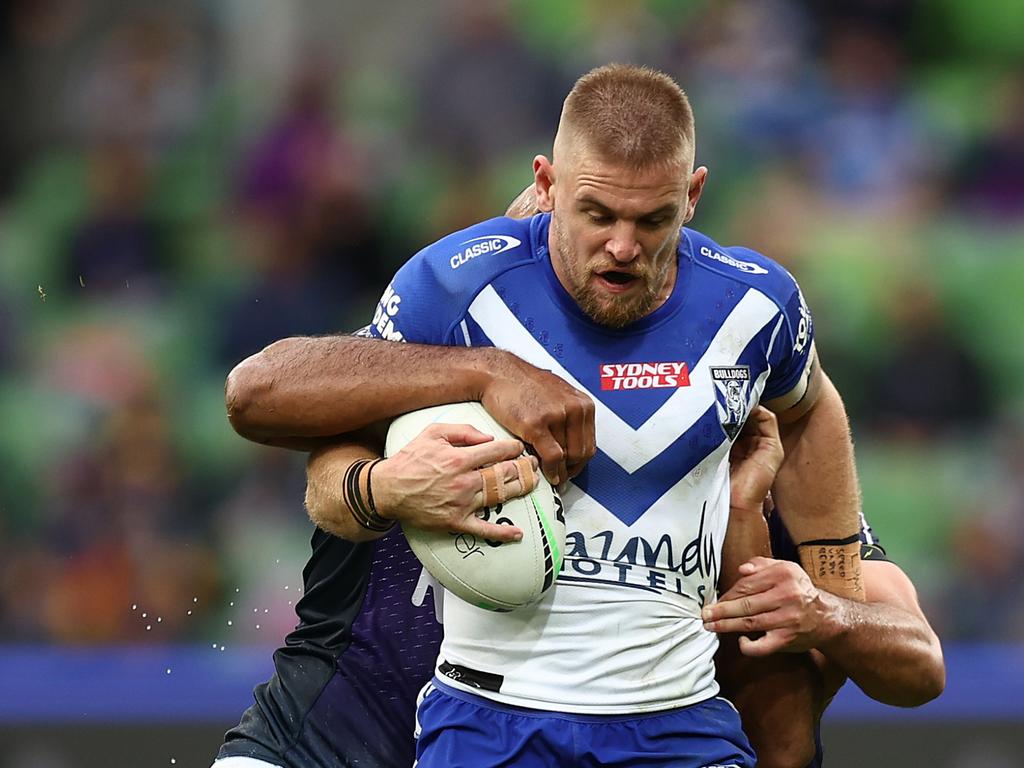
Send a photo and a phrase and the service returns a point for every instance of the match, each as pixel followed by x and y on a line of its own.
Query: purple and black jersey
pixel 345 683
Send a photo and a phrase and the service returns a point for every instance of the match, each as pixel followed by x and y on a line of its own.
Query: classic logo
pixel 644 376
pixel 803 331
pixel 743 266
pixel 478 246
pixel 383 317
pixel 732 391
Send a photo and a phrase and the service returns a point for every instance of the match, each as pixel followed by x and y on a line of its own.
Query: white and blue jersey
pixel 620 631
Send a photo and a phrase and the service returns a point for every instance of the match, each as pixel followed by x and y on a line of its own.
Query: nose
pixel 623 245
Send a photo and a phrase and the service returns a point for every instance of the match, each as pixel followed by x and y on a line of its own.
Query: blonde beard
pixel 613 314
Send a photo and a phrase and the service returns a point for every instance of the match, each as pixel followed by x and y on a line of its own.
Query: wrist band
pixel 834 565
pixel 365 514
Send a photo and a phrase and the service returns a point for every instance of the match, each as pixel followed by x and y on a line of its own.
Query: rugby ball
pixel 488 574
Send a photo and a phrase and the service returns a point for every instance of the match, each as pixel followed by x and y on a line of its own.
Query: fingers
pixel 490 531
pixel 580 440
pixel 765 645
pixel 761 422
pixel 458 434
pixel 757 564
pixel 558 428
pixel 761 580
pixel 758 622
pixel 507 480
pixel 743 606
pixel 552 458
pixel 490 453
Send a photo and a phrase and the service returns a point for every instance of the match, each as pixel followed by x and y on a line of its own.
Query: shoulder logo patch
pixel 732 390
pixel 743 266
pixel 479 246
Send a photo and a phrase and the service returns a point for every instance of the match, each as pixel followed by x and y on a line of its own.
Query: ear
pixel 544 180
pixel 697 179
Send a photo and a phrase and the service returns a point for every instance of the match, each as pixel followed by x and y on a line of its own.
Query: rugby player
pixel 607 275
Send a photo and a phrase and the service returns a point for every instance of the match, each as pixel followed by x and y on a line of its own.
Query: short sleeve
pixel 413 307
pixel 791 356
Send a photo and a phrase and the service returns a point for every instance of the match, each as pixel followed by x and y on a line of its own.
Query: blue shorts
pixel 460 729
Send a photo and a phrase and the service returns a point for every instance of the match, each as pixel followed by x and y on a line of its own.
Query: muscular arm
pixel 778 696
pixel 816 488
pixel 323 386
pixel 885 645
pixel 304 392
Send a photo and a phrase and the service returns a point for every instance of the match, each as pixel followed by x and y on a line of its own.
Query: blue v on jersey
pixel 620 632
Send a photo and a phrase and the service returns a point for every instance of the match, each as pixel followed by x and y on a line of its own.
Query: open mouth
pixel 620 279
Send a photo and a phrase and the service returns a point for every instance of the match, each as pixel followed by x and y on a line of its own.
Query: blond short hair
pixel 636 116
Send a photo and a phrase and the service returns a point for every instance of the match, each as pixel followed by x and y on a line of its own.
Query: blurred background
pixel 181 184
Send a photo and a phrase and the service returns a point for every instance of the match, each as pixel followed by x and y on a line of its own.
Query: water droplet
pixel 135 606
pixel 222 647
pixel 231 604
pixel 149 627
pixel 266 610
pixel 145 615
pixel 236 589
pixel 214 645
pixel 286 586
pixel 229 622
pixel 188 612
pixel 257 626
pixel 195 599
pixel 173 761
pixel 168 670
pixel 159 619
pixel 278 560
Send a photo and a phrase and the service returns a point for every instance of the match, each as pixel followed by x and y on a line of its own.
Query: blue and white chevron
pixel 635 467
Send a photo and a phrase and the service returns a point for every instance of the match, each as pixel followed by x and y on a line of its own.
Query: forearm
pixel 776 695
pixel 889 651
pixel 325 490
pixel 746 537
pixel 305 388
pixel 818 494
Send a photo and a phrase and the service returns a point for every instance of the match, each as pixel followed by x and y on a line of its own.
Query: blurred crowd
pixel 181 184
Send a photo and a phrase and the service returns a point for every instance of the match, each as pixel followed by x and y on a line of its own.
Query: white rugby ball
pixel 488 574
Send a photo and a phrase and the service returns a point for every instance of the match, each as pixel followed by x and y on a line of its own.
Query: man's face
pixel 614 235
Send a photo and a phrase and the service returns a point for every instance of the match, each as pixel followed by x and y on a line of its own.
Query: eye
pixel 599 218
pixel 653 222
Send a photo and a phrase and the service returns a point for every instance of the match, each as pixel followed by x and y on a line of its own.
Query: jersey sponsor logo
pixel 743 266
pixel 803 330
pixel 478 246
pixel 637 563
pixel 383 316
pixel 732 392
pixel 617 376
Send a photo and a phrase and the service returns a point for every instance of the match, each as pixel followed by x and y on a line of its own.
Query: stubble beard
pixel 609 311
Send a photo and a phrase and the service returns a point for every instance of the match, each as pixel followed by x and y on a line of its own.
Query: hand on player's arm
pixel 777 697
pixel 885 645
pixel 433 483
